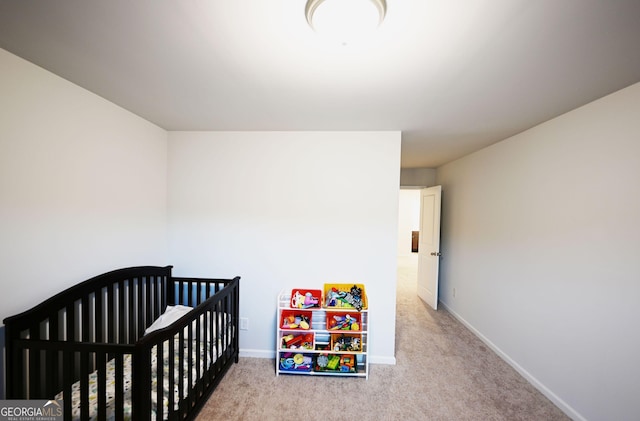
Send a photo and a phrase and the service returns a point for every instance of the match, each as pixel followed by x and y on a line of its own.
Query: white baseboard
pixel 257 353
pixel 376 359
pixel 566 408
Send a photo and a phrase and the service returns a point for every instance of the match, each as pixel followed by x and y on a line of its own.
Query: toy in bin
pixel 338 363
pixel 292 341
pixel 296 362
pixel 292 319
pixel 306 298
pixel 343 342
pixel 343 321
pixel 345 296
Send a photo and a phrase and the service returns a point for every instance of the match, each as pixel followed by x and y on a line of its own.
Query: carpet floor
pixel 443 372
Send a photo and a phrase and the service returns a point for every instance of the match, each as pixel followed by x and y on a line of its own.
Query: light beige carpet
pixel 443 372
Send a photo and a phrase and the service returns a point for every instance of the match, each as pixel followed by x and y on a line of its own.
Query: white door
pixel 429 245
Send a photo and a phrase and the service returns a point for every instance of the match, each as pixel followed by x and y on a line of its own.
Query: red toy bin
pixel 306 298
pixel 295 319
pixel 297 341
pixel 344 321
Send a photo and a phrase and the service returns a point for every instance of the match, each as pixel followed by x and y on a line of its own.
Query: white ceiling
pixel 453 76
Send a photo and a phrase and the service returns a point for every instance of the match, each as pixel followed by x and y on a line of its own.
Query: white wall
pixel 82 186
pixel 285 210
pixel 541 239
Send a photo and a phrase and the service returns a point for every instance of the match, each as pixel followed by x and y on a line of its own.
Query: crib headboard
pixel 112 308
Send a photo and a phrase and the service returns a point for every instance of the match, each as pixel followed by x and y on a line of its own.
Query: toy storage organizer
pixel 327 341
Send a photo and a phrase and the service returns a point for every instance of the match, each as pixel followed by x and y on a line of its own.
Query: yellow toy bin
pixel 338 296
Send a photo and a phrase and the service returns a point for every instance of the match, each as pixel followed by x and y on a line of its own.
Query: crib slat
pixel 84 386
pixel 119 379
pixel 141 310
pixel 84 323
pixel 111 303
pixel 52 360
pixel 67 376
pixel 198 343
pixel 159 368
pixel 148 301
pixel 130 312
pixel 212 337
pixel 181 364
pixel 190 363
pixel 102 386
pixel 33 388
pixel 171 376
pixel 150 308
pixel 164 291
pixel 98 316
pixel 180 292
pixel 157 299
pixel 121 314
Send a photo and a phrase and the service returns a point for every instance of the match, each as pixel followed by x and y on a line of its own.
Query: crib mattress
pixel 200 354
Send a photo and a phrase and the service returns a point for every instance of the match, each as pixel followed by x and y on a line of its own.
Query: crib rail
pixel 209 332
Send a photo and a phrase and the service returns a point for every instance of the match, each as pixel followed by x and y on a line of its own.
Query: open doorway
pixel 408 223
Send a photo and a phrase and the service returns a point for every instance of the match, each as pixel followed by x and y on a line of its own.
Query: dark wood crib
pixel 89 343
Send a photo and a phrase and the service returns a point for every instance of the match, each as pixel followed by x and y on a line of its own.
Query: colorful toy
pixel 305 298
pixel 333 361
pixel 296 322
pixel 339 363
pixel 310 301
pixel 332 297
pixel 343 322
pixel 347 363
pixel 292 341
pixel 343 296
pixel 322 361
pixel 293 362
pixel 347 343
pixel 353 297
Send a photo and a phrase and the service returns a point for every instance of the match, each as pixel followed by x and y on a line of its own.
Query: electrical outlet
pixel 244 323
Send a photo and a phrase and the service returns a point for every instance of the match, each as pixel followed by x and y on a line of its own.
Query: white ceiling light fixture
pixel 345 20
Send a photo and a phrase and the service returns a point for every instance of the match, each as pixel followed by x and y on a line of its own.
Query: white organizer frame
pixel 322 335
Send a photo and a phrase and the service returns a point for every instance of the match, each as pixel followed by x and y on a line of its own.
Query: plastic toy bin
pixel 306 298
pixel 337 296
pixel 346 342
pixel 296 319
pixel 344 321
pixel 297 341
pixel 336 363
pixel 296 362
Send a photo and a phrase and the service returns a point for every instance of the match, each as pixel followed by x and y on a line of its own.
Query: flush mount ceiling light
pixel 345 19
